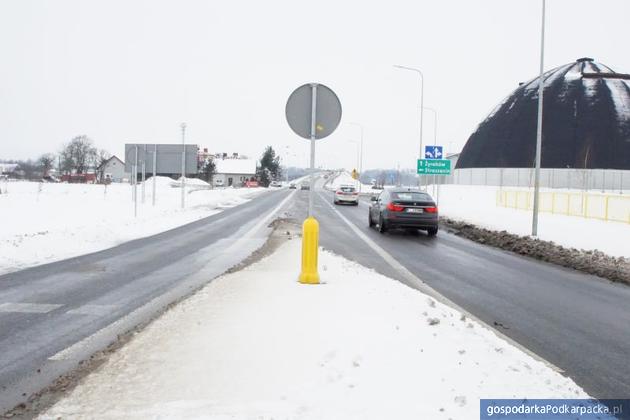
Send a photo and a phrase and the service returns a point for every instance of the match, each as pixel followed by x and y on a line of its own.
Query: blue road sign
pixel 433 152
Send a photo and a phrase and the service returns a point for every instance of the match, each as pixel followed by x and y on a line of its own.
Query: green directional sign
pixel 434 167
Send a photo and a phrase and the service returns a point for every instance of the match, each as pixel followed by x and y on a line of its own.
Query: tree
pixel 269 168
pixel 78 155
pixel 46 163
pixel 208 170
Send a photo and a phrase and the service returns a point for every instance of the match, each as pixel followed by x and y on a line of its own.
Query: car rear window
pixel 410 196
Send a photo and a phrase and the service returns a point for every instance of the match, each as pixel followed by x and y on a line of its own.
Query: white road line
pixel 28 308
pixel 426 289
pixel 97 310
pixel 138 315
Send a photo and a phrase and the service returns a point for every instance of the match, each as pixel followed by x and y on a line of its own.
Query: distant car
pixel 275 184
pixel 405 208
pixel 292 186
pixel 346 194
pixel 305 185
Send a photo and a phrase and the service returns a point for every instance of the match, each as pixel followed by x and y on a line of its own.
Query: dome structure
pixel 586 122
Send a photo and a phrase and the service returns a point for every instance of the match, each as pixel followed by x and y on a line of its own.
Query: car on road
pixel 405 208
pixel 305 185
pixel 275 184
pixel 292 186
pixel 346 194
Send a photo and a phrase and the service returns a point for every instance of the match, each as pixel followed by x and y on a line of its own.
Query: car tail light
pixel 431 209
pixel 339 193
pixel 394 207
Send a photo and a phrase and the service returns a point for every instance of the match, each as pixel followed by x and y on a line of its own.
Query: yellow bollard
pixel 310 246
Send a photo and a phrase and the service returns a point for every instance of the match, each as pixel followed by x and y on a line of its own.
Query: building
pixel 233 172
pixel 112 170
pixel 586 123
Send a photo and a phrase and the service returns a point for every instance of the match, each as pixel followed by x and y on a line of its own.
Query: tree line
pixel 77 156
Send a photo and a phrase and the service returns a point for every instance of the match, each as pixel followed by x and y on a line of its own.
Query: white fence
pixel 576 179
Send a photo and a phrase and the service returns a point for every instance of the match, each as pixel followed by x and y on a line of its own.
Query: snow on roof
pixel 236 166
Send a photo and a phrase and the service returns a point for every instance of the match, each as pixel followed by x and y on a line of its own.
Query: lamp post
pixel 434 137
pixel 421 100
pixel 539 126
pixel 358 165
pixel 360 153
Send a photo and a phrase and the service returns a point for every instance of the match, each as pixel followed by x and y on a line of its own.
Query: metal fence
pixel 605 180
pixel 609 207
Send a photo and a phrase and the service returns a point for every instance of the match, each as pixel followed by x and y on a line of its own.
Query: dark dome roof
pixel 586 122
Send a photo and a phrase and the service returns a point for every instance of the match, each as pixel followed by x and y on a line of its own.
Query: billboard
pixel 168 157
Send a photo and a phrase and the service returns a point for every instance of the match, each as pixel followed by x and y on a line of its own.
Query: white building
pixel 113 169
pixel 233 172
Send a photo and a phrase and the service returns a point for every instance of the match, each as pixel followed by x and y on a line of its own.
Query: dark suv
pixel 404 208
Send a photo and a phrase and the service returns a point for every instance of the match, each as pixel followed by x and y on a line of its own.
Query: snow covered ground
pixel 256 344
pixel 43 223
pixel 477 204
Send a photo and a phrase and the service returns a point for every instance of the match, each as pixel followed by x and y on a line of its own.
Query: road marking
pixel 28 308
pixel 97 310
pixel 426 289
pixel 138 315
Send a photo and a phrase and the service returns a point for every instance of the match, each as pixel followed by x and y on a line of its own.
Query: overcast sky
pixel 131 71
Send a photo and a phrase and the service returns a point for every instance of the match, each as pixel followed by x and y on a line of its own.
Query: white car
pixel 347 194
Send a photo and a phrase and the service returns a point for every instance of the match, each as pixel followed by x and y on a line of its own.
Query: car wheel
pixel 432 231
pixel 381 224
pixel 370 222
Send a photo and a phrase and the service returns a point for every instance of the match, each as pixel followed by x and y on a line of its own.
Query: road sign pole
pixel 183 126
pixel 154 172
pixel 144 172
pixel 313 134
pixel 135 185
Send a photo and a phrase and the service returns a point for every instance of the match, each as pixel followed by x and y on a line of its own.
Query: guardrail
pixel 609 207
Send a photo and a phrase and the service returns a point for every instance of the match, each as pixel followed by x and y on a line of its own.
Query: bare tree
pixel 78 155
pixel 46 163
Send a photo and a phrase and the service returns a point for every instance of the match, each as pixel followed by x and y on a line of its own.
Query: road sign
pixel 327 112
pixel 168 159
pixel 433 152
pixel 355 174
pixel 434 167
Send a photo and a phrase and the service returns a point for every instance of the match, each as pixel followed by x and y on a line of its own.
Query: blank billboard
pixel 168 158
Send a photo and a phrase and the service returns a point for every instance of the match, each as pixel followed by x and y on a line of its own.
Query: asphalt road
pixel 578 322
pixel 54 315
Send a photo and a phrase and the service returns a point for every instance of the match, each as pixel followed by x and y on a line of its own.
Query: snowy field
pixel 258 345
pixel 477 204
pixel 65 220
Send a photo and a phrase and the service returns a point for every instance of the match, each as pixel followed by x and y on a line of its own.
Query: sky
pixel 125 71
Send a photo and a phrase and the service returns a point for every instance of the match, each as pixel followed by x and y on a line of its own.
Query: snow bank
pixel 477 204
pixel 257 344
pixel 66 220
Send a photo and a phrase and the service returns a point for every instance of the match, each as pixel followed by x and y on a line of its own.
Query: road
pixel 578 322
pixel 54 315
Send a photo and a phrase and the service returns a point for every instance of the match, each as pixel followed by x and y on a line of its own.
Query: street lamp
pixel 421 98
pixel 434 137
pixel 539 126
pixel 360 153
